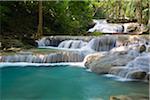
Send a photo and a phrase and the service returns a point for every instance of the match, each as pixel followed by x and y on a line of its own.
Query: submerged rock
pixel 129 97
pixel 137 75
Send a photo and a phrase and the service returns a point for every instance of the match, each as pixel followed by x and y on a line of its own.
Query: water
pixel 62 83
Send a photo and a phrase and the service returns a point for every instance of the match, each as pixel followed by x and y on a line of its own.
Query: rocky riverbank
pixel 129 62
pixel 126 56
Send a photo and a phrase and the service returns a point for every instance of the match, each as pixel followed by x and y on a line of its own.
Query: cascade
pixel 49 41
pixel 50 58
pixel 103 26
pixel 74 44
pixel 104 43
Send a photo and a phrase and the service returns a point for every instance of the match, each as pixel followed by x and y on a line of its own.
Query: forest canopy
pixel 66 17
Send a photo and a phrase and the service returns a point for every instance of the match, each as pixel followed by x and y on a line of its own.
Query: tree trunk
pixel 139 11
pixel 40 24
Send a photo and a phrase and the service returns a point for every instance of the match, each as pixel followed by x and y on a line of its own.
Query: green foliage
pixel 64 17
pixel 18 17
pixel 97 33
pixel 115 9
pixel 71 17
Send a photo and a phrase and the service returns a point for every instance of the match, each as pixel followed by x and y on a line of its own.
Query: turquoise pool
pixel 62 83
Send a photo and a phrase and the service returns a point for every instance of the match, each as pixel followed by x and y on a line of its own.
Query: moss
pixel 97 33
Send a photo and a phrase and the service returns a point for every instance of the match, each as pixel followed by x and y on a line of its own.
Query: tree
pixel 139 11
pixel 40 24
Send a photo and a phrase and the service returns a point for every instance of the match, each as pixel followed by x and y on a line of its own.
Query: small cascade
pixel 50 58
pixel 73 44
pixel 49 41
pixel 136 69
pixel 103 26
pixel 104 43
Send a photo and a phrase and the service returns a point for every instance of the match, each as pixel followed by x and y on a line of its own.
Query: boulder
pixel 105 63
pixel 92 57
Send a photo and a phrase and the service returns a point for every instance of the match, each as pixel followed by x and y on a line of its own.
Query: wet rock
pixel 142 48
pixel 116 70
pixel 147 76
pixel 137 75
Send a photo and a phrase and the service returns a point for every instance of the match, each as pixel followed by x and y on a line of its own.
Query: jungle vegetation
pixel 34 19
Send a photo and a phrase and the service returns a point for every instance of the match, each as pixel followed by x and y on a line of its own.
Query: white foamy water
pixel 24 64
pixel 118 78
pixel 103 26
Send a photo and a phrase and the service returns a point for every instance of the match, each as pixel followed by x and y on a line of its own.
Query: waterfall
pixel 104 43
pixel 50 58
pixel 103 26
pixel 74 44
pixel 49 41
